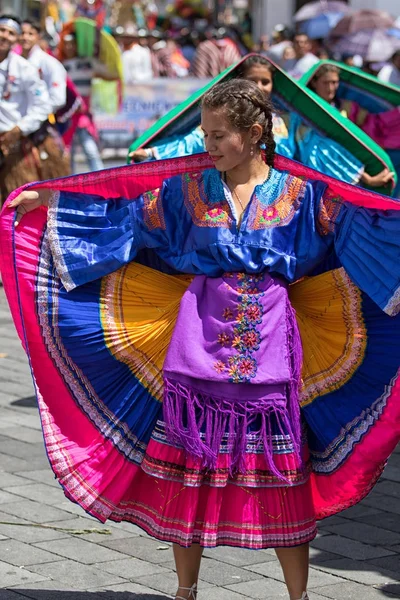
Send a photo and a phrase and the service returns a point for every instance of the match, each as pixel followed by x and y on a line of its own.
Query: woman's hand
pixel 141 155
pixel 29 200
pixel 377 180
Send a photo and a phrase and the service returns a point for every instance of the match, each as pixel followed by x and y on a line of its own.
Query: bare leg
pixel 187 561
pixel 294 563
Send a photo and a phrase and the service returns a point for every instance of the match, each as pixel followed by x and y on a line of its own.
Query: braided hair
pixel 244 105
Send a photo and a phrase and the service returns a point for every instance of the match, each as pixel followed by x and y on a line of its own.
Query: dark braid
pixel 244 105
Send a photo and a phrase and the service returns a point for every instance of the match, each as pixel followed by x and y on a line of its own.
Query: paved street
pixel 45 553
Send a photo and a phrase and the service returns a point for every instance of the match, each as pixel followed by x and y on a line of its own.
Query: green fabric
pixel 85 30
pixel 93 42
pixel 300 100
pixel 104 96
pixel 359 79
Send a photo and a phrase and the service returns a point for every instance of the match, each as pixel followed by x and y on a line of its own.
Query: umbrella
pixel 374 45
pixel 314 9
pixel 395 32
pixel 320 26
pixel 362 20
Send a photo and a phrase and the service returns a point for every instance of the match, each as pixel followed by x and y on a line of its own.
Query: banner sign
pixel 142 105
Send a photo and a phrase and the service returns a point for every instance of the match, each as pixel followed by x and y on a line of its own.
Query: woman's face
pixel 288 53
pixel 70 49
pixel 261 76
pixel 228 147
pixel 326 86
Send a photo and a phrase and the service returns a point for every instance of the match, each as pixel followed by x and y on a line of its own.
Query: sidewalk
pixel 355 557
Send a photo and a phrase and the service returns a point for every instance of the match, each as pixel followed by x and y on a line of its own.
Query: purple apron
pixel 234 361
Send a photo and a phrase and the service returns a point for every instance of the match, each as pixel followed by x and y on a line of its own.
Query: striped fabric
pixel 213 57
pixel 161 61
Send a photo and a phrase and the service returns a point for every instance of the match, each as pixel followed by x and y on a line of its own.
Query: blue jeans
pixel 90 149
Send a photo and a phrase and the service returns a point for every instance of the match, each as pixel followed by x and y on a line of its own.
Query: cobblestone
pixel 355 557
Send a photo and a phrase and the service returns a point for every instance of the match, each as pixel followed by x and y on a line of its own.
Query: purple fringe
pixel 296 362
pixel 197 421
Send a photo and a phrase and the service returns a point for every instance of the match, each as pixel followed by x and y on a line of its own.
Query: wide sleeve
pixel 324 154
pixel 367 244
pixel 181 145
pixel 90 236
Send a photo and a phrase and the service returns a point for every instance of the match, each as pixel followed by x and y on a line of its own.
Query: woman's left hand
pixel 140 155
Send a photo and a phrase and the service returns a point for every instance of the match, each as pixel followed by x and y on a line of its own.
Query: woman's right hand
pixel 29 200
pixel 378 180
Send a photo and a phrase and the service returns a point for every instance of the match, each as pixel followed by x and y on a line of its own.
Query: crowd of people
pixel 208 53
pixel 59 109
pixel 44 106
pixel 296 53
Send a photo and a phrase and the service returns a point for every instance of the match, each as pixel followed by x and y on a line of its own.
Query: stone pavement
pixel 355 557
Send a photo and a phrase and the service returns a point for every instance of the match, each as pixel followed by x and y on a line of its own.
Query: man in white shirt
pixel 136 60
pixel 24 108
pixel 304 60
pixel 54 75
pixel 390 73
pixel 50 69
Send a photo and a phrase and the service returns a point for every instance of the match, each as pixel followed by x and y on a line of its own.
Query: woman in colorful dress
pixel 293 138
pixel 383 127
pixel 173 400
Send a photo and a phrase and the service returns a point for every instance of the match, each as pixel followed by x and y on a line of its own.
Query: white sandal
pixel 304 596
pixel 192 591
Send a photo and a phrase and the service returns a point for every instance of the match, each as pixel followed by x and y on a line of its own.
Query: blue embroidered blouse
pixel 289 227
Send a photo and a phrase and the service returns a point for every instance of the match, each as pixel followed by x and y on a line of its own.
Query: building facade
pixel 22 8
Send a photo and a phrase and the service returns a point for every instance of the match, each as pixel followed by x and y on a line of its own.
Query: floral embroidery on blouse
pixel 274 208
pixel 216 215
pixel 241 366
pixel 199 202
pixel 153 214
pixel 330 206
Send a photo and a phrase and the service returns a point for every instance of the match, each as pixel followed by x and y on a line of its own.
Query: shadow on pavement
pixel 392 590
pixel 29 402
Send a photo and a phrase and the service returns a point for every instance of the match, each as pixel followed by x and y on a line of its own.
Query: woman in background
pixel 383 127
pixel 293 138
